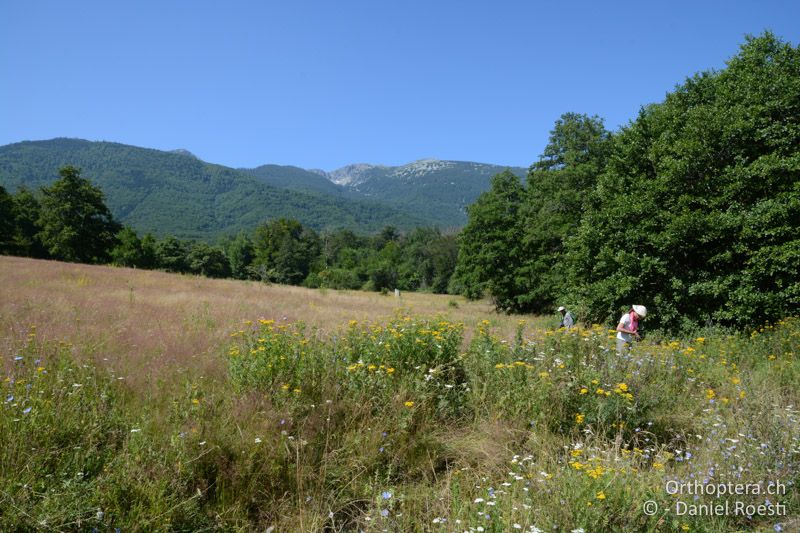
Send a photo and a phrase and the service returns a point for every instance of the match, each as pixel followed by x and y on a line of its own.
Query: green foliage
pixel 7 222
pixel 558 189
pixel 27 210
pixel 490 249
pixel 698 211
pixel 240 254
pixel 208 261
pixel 400 417
pixel 130 251
pixel 171 255
pixel 75 223
pixel 168 193
pixel 428 260
pixel 284 251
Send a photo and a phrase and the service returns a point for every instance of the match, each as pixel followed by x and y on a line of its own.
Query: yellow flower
pixel 196 401
pixel 658 466
pixel 390 370
pixel 285 386
pixel 579 418
pixel 685 527
pixel 576 453
pixel 409 404
pixel 499 365
pixel 584 390
pixel 623 387
pixel 735 380
pixel 544 374
pixel 600 391
pixel 601 495
pixel 596 472
pixel 710 394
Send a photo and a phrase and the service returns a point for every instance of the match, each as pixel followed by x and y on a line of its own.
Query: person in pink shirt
pixel 628 327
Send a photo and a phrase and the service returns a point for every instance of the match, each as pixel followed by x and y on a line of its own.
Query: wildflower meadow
pixel 402 422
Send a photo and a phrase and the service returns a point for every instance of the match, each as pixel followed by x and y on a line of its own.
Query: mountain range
pixel 176 193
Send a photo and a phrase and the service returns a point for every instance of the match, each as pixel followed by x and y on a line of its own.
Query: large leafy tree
pixel 75 223
pixel 490 250
pixel 208 261
pixel 698 212
pixel 284 251
pixel 239 251
pixel 132 251
pixel 8 226
pixel 558 188
pixel 171 254
pixel 27 210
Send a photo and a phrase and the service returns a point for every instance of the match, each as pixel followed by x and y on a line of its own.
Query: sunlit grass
pixel 400 420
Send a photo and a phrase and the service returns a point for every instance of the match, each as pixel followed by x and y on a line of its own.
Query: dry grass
pixel 147 324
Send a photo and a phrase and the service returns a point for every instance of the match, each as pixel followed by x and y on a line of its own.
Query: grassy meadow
pixel 144 401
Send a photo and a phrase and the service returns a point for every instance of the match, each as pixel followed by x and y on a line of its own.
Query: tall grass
pixel 400 425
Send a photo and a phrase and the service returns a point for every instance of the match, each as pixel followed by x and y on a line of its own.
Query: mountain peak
pixel 352 175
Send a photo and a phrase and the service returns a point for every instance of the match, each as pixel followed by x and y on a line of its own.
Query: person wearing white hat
pixel 567 320
pixel 628 327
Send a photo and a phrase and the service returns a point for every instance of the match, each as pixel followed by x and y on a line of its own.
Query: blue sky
pixel 321 84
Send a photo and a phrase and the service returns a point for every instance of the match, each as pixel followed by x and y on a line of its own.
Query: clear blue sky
pixel 326 83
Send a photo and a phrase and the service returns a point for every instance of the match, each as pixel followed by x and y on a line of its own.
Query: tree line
pixel 693 208
pixel 70 221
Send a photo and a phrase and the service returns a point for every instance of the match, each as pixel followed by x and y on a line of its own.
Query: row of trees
pixel 69 221
pixel 692 209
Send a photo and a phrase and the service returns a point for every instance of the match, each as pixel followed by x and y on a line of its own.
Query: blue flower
pixel 386 495
pixel 26 410
pixel 384 512
pixel 9 399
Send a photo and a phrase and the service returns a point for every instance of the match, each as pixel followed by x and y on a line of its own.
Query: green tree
pixel 75 223
pixel 208 261
pixel 27 210
pixel 698 212
pixel 240 253
pixel 171 255
pixel 558 188
pixel 490 250
pixel 383 268
pixel 8 226
pixel 128 251
pixel 284 251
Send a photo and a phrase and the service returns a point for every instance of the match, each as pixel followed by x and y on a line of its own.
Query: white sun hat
pixel 562 308
pixel 640 310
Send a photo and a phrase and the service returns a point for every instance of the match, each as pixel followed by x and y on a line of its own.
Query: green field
pixel 147 401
